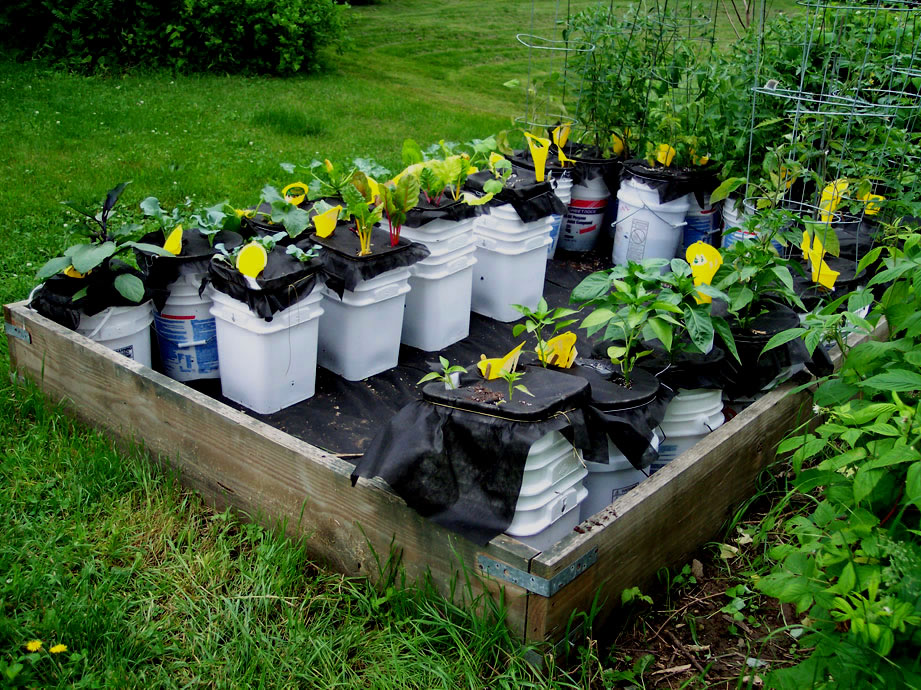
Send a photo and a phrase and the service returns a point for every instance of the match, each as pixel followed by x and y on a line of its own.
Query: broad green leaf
pixel 891 380
pixel 150 248
pixel 865 481
pixel 53 267
pixel 700 327
pixel 784 337
pixel 597 318
pixel 869 258
pixel 725 333
pixel 130 287
pixel 662 330
pixel 88 256
pixel 913 484
pixel 593 286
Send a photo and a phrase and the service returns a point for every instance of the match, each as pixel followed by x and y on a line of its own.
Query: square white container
pixel 437 309
pixel 267 365
pixel 508 273
pixel 360 333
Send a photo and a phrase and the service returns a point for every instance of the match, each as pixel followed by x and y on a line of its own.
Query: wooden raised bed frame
pixel 237 461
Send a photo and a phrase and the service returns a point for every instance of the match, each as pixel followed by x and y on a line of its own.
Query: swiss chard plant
pixel 397 199
pixel 364 208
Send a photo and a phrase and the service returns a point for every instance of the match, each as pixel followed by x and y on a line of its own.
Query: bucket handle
pixel 105 320
pixel 673 226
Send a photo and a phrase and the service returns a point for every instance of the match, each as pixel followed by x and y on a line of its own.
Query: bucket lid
pixel 552 392
pixel 607 393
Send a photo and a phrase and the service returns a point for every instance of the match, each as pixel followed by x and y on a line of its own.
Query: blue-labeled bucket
pixel 702 224
pixel 186 332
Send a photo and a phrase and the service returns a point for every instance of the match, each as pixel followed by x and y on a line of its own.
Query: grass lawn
pixel 142 583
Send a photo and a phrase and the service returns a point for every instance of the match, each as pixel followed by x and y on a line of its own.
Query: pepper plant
pixel 537 320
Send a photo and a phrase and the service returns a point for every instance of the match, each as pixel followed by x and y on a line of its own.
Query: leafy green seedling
pixel 447 370
pixel 538 319
pixel 510 378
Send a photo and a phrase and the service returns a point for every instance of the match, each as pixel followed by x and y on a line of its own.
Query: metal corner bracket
pixel 17 332
pixel 532 583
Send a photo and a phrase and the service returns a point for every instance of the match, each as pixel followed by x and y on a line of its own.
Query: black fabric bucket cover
pixel 53 299
pixel 757 370
pixel 812 294
pixel 673 183
pixel 284 281
pixel 344 269
pixel 532 200
pixel 462 468
pixel 588 164
pixel 161 271
pixel 448 209
pixel 684 369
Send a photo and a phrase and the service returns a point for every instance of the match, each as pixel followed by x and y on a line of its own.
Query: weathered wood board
pixel 274 478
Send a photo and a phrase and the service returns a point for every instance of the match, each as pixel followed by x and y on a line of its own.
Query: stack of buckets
pixel 267 365
pixel 562 187
pixel 689 417
pixel 123 329
pixel 360 333
pixel 511 260
pixel 551 493
pixel 186 330
pixel 585 217
pixel 732 224
pixel 606 483
pixel 437 309
pixel 646 228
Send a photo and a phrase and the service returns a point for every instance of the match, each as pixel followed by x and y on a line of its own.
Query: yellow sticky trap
pixel 560 136
pixel 560 351
pixel 821 273
pixel 540 147
pixel 665 154
pixel 872 205
pixel 831 199
pixel 72 272
pixel 704 260
pixel 325 222
pixel 173 242
pixel 252 259
pixel 617 144
pixel 296 199
pixel 491 368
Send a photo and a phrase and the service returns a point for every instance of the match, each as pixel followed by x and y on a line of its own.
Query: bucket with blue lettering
pixel 702 224
pixel 186 333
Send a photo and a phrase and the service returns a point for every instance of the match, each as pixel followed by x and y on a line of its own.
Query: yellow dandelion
pixel 34 645
pixel 58 648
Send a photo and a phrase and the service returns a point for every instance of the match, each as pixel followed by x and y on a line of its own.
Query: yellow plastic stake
pixel 831 199
pixel 821 273
pixel 325 222
pixel 296 199
pixel 560 351
pixel 665 154
pixel 173 242
pixel 560 136
pixel 491 368
pixel 72 272
pixel 540 147
pixel 617 144
pixel 704 260
pixel 872 205
pixel 252 259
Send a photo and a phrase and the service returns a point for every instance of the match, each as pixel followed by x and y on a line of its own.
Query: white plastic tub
pixel 441 236
pixel 186 331
pixel 437 307
pixel 267 365
pixel 542 471
pixel 702 224
pixel 507 274
pixel 689 417
pixel 543 526
pixel 504 228
pixel 360 333
pixel 605 483
pixel 645 228
pixel 123 329
pixel 584 220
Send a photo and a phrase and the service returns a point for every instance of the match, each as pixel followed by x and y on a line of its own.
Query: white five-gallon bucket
pixel 562 187
pixel 437 308
pixel 123 329
pixel 645 228
pixel 732 224
pixel 360 333
pixel 267 365
pixel 186 332
pixel 689 417
pixel 508 273
pixel 585 217
pixel 702 224
pixel 606 483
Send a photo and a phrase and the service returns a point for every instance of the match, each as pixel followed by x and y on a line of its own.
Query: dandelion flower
pixel 58 648
pixel 34 645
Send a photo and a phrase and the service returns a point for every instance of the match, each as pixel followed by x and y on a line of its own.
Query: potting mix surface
pixel 343 416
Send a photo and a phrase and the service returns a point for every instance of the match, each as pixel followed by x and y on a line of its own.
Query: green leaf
pixel 913 484
pixel 597 318
pixel 783 275
pixel 894 380
pixel 700 327
pixel 784 337
pixel 725 333
pixel 130 287
pixel 411 152
pixel 86 257
pixel 53 267
pixel 727 187
pixel 865 481
pixel 662 330
pixel 149 248
pixel 593 286
pixel 869 258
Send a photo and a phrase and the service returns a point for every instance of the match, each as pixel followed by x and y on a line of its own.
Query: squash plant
pixel 328 179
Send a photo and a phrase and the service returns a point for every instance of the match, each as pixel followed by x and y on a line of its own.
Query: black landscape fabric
pixel 531 200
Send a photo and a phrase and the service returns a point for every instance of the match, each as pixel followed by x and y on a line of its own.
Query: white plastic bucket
pixel 562 187
pixel 732 224
pixel 505 228
pixel 360 333
pixel 123 329
pixel 556 222
pixel 547 465
pixel 606 483
pixel 186 332
pixel 584 219
pixel 267 365
pixel 437 307
pixel 702 224
pixel 645 228
pixel 506 274
pixel 541 521
pixel 689 417
pixel 441 236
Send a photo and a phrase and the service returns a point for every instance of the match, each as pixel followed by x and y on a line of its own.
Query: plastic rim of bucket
pixel 438 230
pixel 690 401
pixel 546 442
pixel 539 500
pixel 116 322
pixel 491 244
pixel 463 262
pixel 234 311
pixel 510 228
pixel 394 275
pixel 569 502
pixel 701 426
pixel 440 252
pixel 548 454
